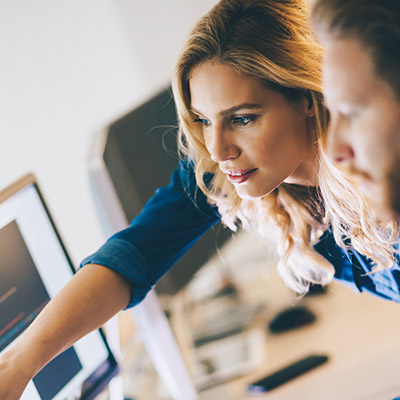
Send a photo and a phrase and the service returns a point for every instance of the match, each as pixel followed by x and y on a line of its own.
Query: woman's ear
pixel 310 111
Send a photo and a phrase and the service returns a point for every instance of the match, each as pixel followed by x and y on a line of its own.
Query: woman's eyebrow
pixel 233 109
pixel 241 106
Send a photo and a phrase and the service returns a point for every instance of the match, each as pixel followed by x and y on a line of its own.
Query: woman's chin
pixel 252 194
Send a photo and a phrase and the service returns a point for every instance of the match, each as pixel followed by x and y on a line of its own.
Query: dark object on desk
pixel 316 290
pixel 291 318
pixel 286 374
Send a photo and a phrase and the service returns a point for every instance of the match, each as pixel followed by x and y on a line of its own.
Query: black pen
pixel 285 374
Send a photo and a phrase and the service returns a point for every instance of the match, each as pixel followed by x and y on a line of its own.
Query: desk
pixel 360 333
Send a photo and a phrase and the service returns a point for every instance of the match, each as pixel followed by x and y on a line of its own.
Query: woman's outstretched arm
pixel 180 213
pixel 93 296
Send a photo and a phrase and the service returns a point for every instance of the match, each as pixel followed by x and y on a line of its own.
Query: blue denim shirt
pixel 178 214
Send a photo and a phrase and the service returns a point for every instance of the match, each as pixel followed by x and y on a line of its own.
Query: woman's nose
pixel 220 145
pixel 339 146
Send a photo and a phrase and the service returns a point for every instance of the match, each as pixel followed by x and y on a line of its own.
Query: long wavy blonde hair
pixel 270 40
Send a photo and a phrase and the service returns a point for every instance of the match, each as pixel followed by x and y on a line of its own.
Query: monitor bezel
pixel 94 384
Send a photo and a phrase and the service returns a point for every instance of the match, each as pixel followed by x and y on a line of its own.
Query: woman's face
pixel 258 138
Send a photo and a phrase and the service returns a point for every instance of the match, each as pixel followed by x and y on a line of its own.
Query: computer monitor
pixel 127 162
pixel 139 153
pixel 34 266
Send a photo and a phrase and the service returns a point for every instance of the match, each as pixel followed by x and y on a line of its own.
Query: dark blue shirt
pixel 178 214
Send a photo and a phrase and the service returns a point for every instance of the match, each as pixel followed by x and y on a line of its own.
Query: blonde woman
pixel 247 89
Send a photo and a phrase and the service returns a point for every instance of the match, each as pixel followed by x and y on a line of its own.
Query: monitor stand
pixel 152 323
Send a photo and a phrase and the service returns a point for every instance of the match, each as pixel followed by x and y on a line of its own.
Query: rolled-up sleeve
pixel 169 224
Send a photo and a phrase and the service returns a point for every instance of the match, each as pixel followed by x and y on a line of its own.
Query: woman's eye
pixel 202 121
pixel 243 120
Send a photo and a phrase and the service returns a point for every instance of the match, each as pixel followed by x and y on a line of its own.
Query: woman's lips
pixel 239 176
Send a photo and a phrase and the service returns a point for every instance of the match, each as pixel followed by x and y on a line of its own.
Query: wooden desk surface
pixel 359 333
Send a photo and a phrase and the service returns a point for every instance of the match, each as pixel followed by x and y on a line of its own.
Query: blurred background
pixel 67 70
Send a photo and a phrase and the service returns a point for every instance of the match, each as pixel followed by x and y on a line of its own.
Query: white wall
pixel 158 31
pixel 67 69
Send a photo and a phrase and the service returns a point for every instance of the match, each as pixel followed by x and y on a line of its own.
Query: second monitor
pixel 140 153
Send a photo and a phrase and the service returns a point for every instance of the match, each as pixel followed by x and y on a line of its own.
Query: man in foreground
pixel 362 91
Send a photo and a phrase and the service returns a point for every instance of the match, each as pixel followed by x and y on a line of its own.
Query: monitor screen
pixel 34 266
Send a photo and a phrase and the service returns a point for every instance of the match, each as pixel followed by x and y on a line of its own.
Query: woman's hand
pixel 14 377
pixel 91 298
